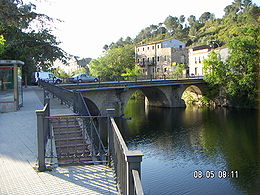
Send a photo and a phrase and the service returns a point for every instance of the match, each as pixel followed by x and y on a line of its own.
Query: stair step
pixel 64 115
pixel 71 145
pixel 66 127
pixel 78 153
pixel 69 139
pixel 85 158
pixel 65 132
pixel 71 142
pixel 64 122
pixel 74 161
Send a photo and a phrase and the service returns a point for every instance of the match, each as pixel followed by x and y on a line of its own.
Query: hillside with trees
pixel 238 30
pixel 197 31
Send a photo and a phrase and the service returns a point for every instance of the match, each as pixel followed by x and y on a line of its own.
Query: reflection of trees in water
pixel 227 139
pixel 234 134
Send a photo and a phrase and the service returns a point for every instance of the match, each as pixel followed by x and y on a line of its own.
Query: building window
pixel 158 46
pixel 165 58
pixel 195 60
pixel 158 69
pixel 143 48
pixel 152 47
pixel 165 69
pixel 138 60
pixel 147 48
pixel 138 49
pixel 199 60
pixel 158 58
pixel 143 60
pixel 196 71
pixel 147 59
pixel 182 59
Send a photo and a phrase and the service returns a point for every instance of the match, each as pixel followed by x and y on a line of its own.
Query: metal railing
pixel 127 163
pixel 76 101
pixel 145 77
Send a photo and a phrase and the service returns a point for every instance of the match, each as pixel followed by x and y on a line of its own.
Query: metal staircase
pixel 71 146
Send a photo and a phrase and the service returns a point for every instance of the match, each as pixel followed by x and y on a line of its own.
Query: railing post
pixel 40 140
pixel 110 113
pixel 75 101
pixel 134 159
pixel 46 121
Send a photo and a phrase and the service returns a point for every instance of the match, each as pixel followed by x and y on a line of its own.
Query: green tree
pixel 205 17
pixel 2 40
pixel 114 63
pixel 214 70
pixel 178 72
pixel 238 76
pixel 38 48
pixel 59 72
pixel 243 64
pixel 130 73
pixel 79 71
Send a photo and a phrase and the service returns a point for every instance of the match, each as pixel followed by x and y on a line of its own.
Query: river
pixel 195 150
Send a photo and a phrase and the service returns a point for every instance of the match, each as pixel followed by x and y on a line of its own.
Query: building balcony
pixel 151 63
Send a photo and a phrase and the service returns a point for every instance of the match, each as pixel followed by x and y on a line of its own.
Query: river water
pixel 195 150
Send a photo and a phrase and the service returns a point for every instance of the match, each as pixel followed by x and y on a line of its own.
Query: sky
pixel 90 24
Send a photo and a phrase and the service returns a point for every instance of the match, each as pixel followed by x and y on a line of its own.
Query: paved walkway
pixel 18 156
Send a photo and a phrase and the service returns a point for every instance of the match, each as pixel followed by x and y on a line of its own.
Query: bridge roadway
pixel 160 93
pixel 132 84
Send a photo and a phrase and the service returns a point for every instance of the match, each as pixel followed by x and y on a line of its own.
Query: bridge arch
pixel 154 95
pixel 192 92
pixel 93 108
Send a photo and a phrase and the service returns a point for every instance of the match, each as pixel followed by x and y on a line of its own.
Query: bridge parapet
pixel 138 83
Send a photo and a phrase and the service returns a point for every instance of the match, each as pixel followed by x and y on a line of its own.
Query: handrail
pixel 93 125
pixel 124 161
pixel 118 134
pixel 137 182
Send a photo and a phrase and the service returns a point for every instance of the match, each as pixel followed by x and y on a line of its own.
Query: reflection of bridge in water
pixel 161 93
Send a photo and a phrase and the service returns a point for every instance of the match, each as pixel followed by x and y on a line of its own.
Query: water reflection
pixel 176 142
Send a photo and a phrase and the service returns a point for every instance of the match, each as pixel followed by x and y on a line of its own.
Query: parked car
pixel 46 76
pixel 82 78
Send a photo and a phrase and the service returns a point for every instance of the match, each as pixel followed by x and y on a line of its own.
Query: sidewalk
pixel 18 157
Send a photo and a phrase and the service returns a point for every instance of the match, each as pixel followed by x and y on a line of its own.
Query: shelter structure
pixel 11 91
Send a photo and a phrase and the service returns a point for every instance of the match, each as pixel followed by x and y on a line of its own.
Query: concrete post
pixel 40 140
pixel 134 159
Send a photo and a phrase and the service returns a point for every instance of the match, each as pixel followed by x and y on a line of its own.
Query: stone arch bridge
pixel 161 93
